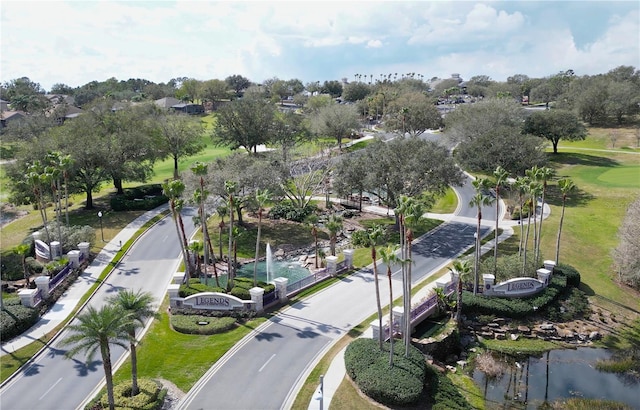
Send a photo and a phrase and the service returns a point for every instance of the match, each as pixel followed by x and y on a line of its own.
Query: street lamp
pixel 101 230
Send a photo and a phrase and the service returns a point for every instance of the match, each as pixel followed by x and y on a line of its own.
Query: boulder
pixel 524 330
pixel 595 335
pixel 514 336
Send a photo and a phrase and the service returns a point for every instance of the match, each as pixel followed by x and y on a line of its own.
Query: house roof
pixel 167 102
pixel 11 115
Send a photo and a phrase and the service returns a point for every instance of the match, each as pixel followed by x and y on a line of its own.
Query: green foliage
pixel 194 286
pixel 443 394
pixel 34 266
pixel 240 289
pixel 508 267
pixel 150 397
pixel 514 308
pixel 241 293
pixel 287 210
pixel 360 238
pixel 569 272
pixel 202 325
pixel 145 197
pixel 368 367
pixel 15 319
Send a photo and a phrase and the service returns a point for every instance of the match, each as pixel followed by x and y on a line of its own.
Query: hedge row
pixel 569 272
pixel 287 210
pixel 240 290
pixel 142 198
pixel 368 367
pixel 15 318
pixel 202 325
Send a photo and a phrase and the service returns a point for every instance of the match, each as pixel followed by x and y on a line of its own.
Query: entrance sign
pixel 517 287
pixel 213 301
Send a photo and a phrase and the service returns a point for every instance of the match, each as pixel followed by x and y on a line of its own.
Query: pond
pixel 557 374
pixel 286 269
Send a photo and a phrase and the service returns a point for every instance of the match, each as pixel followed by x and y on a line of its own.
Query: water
pixel 269 269
pixel 571 373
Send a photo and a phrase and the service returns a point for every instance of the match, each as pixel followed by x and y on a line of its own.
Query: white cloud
pixel 374 44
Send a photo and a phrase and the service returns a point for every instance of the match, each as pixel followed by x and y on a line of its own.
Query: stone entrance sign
pixel 213 301
pixel 515 288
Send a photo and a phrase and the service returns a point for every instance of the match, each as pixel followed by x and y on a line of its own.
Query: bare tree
pixel 626 256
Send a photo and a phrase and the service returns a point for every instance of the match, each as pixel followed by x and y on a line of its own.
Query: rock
pixel 500 336
pixel 486 334
pixel 547 326
pixel 514 336
pixel 567 334
pixel 493 325
pixel 473 349
pixel 499 320
pixel 451 369
pixel 595 335
pixel 462 363
pixel 524 330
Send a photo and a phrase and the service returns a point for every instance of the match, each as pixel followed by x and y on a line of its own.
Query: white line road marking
pixel 267 362
pixel 50 388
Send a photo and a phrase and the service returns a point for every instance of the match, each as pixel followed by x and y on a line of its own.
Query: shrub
pixel 509 267
pixel 287 210
pixel 241 293
pixel 195 286
pixel 150 396
pixel 368 367
pixel 142 198
pixel 574 304
pixel 34 266
pixel 569 272
pixel 15 318
pixel 443 394
pixel 360 238
pixel 202 325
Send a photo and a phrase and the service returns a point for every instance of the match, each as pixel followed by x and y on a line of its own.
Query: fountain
pixel 269 261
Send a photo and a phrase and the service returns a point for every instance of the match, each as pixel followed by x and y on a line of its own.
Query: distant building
pixel 167 102
pixel 9 116
pixel 191 109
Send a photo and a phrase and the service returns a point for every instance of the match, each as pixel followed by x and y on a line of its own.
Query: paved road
pixel 266 368
pixel 52 382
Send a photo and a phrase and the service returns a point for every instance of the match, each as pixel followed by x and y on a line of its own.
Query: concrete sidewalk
pixel 63 307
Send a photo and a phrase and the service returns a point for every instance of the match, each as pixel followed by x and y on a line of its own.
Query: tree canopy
pixel 244 123
pixel 555 125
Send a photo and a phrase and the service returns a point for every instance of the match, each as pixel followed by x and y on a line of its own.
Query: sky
pixel 76 42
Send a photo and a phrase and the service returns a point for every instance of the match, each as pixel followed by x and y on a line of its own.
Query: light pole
pixel 101 230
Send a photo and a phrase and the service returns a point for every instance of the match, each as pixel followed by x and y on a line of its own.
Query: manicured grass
pixel 446 204
pixel 468 388
pixel 180 358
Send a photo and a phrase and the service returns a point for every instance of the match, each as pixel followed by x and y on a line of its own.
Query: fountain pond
pixel 269 269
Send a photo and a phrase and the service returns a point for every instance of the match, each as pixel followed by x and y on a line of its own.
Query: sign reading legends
pixel 518 287
pixel 213 301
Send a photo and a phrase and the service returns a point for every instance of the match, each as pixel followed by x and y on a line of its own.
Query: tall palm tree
pixel 462 267
pixel 230 188
pixel 544 175
pixel 54 175
pixel 313 221
pixel 373 237
pixel 479 200
pixel 23 251
pixel 412 216
pixel 334 225
pixel 501 176
pixel 139 306
pixel 200 169
pixel 389 256
pixel 173 190
pixel 196 247
pixel 521 185
pixel 222 211
pixel 533 191
pixel 98 330
pixel 65 165
pixel 262 197
pixel 566 187
pixel 36 180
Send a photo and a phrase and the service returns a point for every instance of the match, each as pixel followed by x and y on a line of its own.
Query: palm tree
pixel 334 225
pixel 313 220
pixel 544 175
pixel 173 190
pixel 200 169
pixel 23 251
pixel 262 197
pixel 230 188
pixel 65 166
pixel 139 306
pixel 98 330
pixel 196 247
pixel 222 212
pixel 36 179
pixel 373 236
pixel 566 186
pixel 521 185
pixel 461 267
pixel 54 173
pixel 389 256
pixel 533 191
pixel 501 176
pixel 479 200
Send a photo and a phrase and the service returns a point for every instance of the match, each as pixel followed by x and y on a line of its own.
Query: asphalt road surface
pixel 52 382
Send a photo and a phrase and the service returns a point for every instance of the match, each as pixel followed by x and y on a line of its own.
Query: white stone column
pixel 42 282
pixel 74 258
pixel 348 258
pixel 84 250
pixel 544 275
pixel 332 263
pixel 281 288
pixel 399 318
pixel 549 265
pixel 56 250
pixel 257 295
pixel 27 297
pixel 442 283
pixel 178 278
pixel 375 329
pixel 488 281
pixel 173 291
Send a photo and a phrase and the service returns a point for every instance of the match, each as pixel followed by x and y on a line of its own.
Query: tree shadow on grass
pixel 576 198
pixel 571 158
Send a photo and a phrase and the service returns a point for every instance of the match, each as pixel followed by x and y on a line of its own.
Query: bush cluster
pixel 573 304
pixel 368 367
pixel 195 286
pixel 150 397
pixel 142 198
pixel 569 272
pixel 287 210
pixel 516 308
pixel 509 267
pixel 15 318
pixel 202 325
pixel 360 238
